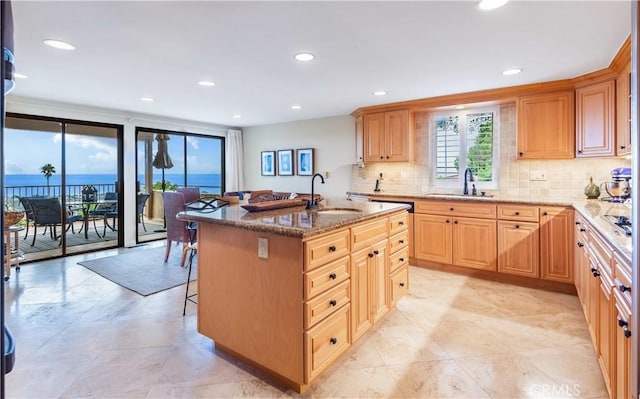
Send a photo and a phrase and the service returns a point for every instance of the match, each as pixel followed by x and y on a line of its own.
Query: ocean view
pixel 208 182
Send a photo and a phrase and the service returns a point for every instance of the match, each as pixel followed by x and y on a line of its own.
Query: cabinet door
pixel 546 126
pixel 595 115
pixel 379 280
pixel 359 139
pixel 622 353
pixel 374 137
pixel 593 288
pixel 397 136
pixel 433 238
pixel 360 293
pixel 605 328
pixel 556 238
pixel 623 111
pixel 474 243
pixel 518 248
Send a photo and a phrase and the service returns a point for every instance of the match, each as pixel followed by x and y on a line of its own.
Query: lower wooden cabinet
pixel 621 385
pixel 518 251
pixel 433 239
pixel 327 341
pixel 556 238
pixel 605 328
pixel 399 284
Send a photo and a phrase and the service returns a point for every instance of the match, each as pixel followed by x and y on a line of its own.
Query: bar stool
pixel 192 248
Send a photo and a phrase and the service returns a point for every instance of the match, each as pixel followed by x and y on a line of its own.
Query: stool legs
pixel 188 297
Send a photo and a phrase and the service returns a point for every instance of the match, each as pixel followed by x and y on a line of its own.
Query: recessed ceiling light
pixel 147 99
pixel 207 83
pixel 59 44
pixel 236 116
pixel 380 93
pixel 304 57
pixel 19 75
pixel 512 71
pixel 296 107
pixel 487 5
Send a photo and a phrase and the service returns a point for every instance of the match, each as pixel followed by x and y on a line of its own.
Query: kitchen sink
pixel 338 211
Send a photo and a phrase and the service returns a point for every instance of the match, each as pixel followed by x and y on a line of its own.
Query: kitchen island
pixel 288 291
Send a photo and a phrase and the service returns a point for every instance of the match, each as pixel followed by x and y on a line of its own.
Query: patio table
pixel 86 208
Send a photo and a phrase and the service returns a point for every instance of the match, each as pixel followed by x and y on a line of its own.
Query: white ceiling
pixel 126 50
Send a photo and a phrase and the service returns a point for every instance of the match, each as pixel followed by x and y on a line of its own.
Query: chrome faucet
pixel 465 191
pixel 313 204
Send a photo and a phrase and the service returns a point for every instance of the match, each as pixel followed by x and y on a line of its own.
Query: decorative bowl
pixel 11 218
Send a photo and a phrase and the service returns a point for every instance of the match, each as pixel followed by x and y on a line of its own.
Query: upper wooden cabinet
pixel 595 119
pixel 359 139
pixel 387 137
pixel 546 126
pixel 623 111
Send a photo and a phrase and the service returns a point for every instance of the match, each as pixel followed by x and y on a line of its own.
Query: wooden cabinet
pixel 556 240
pixel 451 239
pixel 621 384
pixel 518 251
pixel 623 111
pixel 546 126
pixel 387 137
pixel 605 328
pixel 326 342
pixel 595 120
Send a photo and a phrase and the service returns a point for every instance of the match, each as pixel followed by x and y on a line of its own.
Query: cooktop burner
pixel 623 222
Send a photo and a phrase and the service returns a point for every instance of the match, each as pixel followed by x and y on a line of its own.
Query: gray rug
pixel 144 271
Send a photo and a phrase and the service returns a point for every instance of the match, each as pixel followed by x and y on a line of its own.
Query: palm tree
pixel 48 170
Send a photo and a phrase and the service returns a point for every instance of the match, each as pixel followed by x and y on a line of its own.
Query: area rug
pixel 144 270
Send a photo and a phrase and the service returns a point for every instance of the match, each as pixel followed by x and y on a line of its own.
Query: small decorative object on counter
pixel 591 190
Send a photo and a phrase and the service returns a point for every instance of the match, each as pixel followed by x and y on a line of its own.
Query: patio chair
pixel 104 211
pixel 190 193
pixel 28 214
pixel 176 229
pixel 48 212
pixel 140 203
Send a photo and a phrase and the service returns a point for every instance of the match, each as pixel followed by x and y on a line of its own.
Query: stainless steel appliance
pixel 622 222
pixel 619 188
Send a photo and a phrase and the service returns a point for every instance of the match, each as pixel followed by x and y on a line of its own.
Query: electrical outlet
pixel 263 248
pixel 326 174
pixel 537 175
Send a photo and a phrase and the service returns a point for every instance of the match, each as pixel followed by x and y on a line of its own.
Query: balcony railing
pixel 72 193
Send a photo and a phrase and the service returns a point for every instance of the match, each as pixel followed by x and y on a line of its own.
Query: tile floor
pixel 79 335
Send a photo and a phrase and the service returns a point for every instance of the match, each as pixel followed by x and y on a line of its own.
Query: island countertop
pixel 296 221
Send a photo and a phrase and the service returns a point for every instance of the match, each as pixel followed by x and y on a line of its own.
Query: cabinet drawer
pixel 368 233
pixel 518 212
pixel 602 251
pixel 399 285
pixel 398 241
pixel 456 208
pixel 622 277
pixel 325 304
pixel 398 259
pixel 320 251
pixel 326 341
pixel 398 223
pixel 322 278
pixel 582 228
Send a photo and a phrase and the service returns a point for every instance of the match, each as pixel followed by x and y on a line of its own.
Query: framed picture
pixel 268 163
pixel 305 161
pixel 285 162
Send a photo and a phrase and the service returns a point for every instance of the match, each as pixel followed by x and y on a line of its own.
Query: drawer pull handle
pixel 544 213
pixel 580 244
pixel 595 272
pixel 370 255
pixel 521 153
pixel 450 209
pixel 577 223
pixel 332 248
pixel 401 223
pixel 401 284
pixel 517 213
pixel 333 302
pixel 401 241
pixel 624 288
pixel 455 222
pixel 622 322
pixel 622 147
pixel 401 259
pixel 447 220
pixel 582 229
pixel 517 226
pixel 332 276
pixel 627 333
pixel 333 340
pixel 376 252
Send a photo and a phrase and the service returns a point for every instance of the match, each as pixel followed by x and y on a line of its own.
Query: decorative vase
pixel 592 191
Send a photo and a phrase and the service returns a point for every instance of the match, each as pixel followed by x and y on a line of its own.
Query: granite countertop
pixel 592 210
pixel 294 222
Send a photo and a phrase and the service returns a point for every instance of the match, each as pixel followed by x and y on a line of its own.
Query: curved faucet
pixel 313 204
pixel 465 191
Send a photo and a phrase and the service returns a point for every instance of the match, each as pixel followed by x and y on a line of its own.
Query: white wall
pixel 333 140
pixel 129 121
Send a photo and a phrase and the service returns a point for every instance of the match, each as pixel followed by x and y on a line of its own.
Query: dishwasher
pixel 410 203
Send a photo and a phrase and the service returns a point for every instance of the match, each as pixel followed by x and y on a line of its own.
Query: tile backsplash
pixel 563 179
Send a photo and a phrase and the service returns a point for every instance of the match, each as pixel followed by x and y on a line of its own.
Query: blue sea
pixel 207 182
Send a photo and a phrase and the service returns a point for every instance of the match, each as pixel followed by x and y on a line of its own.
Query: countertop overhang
pixel 294 222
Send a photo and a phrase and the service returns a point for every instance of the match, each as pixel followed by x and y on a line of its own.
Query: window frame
pixel 450 184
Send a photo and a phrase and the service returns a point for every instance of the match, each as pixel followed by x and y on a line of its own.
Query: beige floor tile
pixel 342 382
pixel 405 344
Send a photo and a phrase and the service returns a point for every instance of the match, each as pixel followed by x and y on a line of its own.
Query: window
pixel 466 139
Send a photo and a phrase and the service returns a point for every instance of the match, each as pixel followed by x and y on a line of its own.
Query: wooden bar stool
pixel 192 248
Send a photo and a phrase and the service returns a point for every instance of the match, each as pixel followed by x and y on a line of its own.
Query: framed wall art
pixel 268 163
pixel 305 161
pixel 285 162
